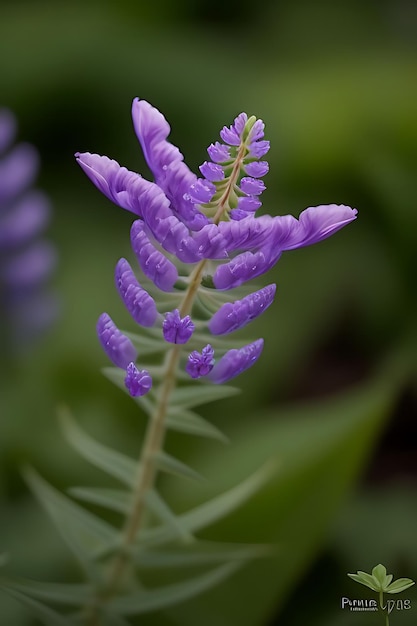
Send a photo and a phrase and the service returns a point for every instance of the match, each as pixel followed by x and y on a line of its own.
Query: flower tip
pixel 138 382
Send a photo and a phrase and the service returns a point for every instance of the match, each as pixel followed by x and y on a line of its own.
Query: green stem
pixel 384 611
pixel 155 434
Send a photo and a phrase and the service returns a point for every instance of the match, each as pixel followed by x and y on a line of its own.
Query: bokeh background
pixel 334 396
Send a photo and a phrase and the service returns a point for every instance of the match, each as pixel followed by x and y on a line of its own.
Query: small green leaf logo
pixel 381 582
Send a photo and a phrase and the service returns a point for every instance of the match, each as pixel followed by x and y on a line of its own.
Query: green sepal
pixel 111 461
pixel 169 595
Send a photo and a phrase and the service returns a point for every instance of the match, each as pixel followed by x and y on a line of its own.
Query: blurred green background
pixel 334 395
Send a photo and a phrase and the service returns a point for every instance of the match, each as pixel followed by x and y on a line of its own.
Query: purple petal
pixel 249 204
pixel 258 149
pixel 242 268
pixel 175 329
pixel 218 152
pixel 257 131
pixel 117 183
pixel 236 315
pixel 116 345
pixel 211 171
pixel 202 191
pixel 153 263
pixel 200 364
pixel 239 123
pixel 230 136
pixel 152 130
pixel 318 223
pixel 234 362
pixel 252 186
pixel 257 169
pixel 138 302
pixel 138 382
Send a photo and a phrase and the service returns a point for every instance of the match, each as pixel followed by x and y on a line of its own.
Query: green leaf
pixel 47 616
pixel 111 461
pixel 67 594
pixel 199 553
pixel 160 508
pixel 379 572
pixel 401 584
pixel 200 393
pixel 169 595
pixel 213 510
pixel 321 447
pixel 84 533
pixel 114 499
pixel 170 464
pixel 191 423
pixel 365 579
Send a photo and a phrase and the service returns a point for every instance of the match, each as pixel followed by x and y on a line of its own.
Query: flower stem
pixel 147 468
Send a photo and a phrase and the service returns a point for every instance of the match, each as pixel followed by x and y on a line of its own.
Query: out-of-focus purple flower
pixel 116 345
pixel 234 362
pixel 138 382
pixel 26 261
pixel 177 329
pixel 235 315
pixel 200 364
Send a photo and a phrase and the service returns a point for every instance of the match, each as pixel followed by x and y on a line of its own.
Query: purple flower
pixel 138 382
pixel 26 261
pixel 192 233
pixel 175 329
pixel 116 345
pixel 235 315
pixel 200 364
pixel 234 362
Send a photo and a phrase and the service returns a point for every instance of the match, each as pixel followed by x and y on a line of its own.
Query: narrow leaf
pixel 67 594
pixel 111 461
pixel 199 553
pixel 194 395
pixel 84 533
pixel 114 499
pixel 163 597
pixel 160 508
pixel 47 616
pixel 170 464
pixel 365 579
pixel 191 423
pixel 213 510
pixel 401 584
